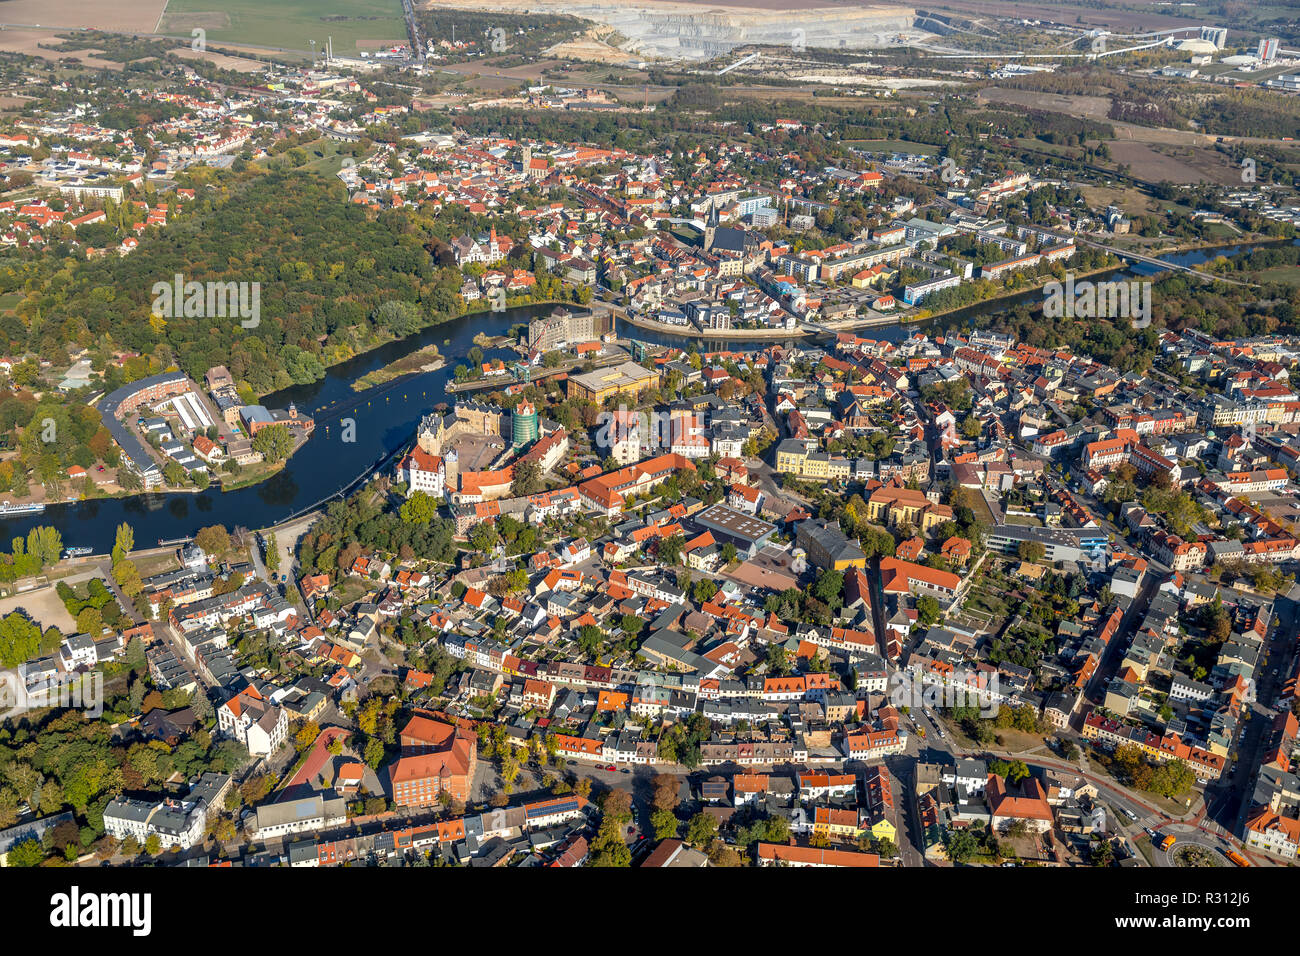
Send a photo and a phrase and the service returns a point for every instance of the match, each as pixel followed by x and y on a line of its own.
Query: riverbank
pixel 361 353
pixel 251 475
pixel 356 434
pixel 426 359
pixel 926 316
pixel 690 332
pixel 1211 246
pixel 851 325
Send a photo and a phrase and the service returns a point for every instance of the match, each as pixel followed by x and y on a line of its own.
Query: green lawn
pixel 324 156
pixel 1143 843
pixel 355 25
pixel 1027 520
pixel 1287 274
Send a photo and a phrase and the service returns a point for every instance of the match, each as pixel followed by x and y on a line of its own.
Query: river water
pixel 384 421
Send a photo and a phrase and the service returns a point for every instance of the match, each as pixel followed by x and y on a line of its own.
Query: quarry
pixel 684 30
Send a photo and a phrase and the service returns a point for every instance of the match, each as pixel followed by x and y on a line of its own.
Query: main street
pixel 1229 802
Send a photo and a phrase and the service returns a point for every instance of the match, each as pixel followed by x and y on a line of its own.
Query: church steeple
pixel 711 228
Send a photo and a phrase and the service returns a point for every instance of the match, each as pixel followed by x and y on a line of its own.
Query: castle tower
pixel 524 424
pixel 451 465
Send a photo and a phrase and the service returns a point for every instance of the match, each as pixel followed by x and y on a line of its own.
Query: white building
pixel 176 822
pixel 254 721
pixel 300 816
pixel 421 471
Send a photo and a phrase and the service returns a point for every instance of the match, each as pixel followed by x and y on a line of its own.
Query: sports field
pixel 355 25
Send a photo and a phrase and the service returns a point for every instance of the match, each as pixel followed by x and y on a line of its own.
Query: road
pixel 1185 834
pixel 1188 829
pixel 1117 647
pixel 1230 801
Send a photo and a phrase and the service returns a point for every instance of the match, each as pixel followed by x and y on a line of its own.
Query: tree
pixel 778 661
pixel 124 542
pixel 1012 771
pixel 228 584
pixel 962 845
pixel 306 735
pixel 666 791
pixel 1031 551
pixel 1102 853
pixel 20 639
pixel 928 611
pixel 272 554
pixel 664 823
pixel 89 621
pixel 127 576
pixel 1017 829
pixel 28 853
pixel 670 549
pixel 483 537
pixel 702 830
pixel 274 443
pixel 829 587
pixel 608 848
pixel 590 637
pixel 201 706
pixel 704 589
pixel 617 805
pixel 527 478
pixel 722 855
pixel 214 540
pixel 399 318
pixel 419 508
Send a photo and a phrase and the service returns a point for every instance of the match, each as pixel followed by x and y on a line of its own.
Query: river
pixel 384 420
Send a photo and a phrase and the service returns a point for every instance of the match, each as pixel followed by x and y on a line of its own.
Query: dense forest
pixel 325 268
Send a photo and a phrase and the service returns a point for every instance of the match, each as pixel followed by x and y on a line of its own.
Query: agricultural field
pixel 126 16
pixel 355 25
